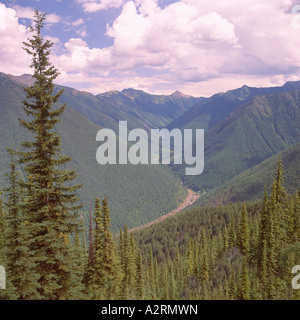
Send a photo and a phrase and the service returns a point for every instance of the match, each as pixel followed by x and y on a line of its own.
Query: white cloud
pixel 53 18
pixel 77 22
pixel 190 45
pixel 14 59
pixel 97 5
pixel 78 26
pixel 133 36
pixel 174 38
pixel 28 13
pixel 24 12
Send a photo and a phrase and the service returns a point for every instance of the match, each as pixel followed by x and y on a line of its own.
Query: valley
pixel 269 115
pixel 188 201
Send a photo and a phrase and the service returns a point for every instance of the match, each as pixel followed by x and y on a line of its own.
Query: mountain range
pixel 245 130
pixel 137 194
pixel 254 131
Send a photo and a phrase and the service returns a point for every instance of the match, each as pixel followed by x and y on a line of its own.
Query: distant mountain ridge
pixel 207 113
pixel 253 132
pixel 249 185
pixel 139 108
pixel 150 110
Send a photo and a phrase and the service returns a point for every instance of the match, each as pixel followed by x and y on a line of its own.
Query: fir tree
pixel 244 233
pixel 191 257
pixel 204 258
pixel 263 235
pixel 296 220
pixel 231 232
pixel 106 278
pixel 89 266
pixel 79 265
pixel 139 277
pixel 232 284
pixel 111 263
pixel 4 295
pixel 2 237
pixel 51 202
pixel 281 207
pixel 19 258
pixel 245 283
pixel 151 277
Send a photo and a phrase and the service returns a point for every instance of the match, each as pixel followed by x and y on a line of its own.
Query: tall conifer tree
pixel 18 255
pixel 51 202
pixel 245 233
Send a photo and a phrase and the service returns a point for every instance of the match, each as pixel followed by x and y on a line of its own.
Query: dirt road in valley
pixel 189 200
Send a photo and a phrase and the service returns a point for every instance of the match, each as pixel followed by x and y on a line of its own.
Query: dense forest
pixel 236 251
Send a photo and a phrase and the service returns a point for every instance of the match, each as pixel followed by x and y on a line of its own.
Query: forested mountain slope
pixel 252 133
pixel 137 194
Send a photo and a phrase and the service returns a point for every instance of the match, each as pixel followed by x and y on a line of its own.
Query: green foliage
pixel 2 234
pixel 104 280
pixel 43 213
pixel 254 131
pixel 245 284
pixel 19 258
pixel 244 233
pixel 250 183
pixel 237 251
pixel 129 188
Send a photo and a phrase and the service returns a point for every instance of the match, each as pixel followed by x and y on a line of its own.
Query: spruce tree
pixel 111 262
pixel 51 201
pixel 106 277
pixel 2 233
pixel 281 202
pixel 151 276
pixel 232 284
pixel 156 279
pixel 2 237
pixel 97 254
pixel 204 276
pixel 165 283
pixel 79 265
pixel 89 266
pixel 263 236
pixel 139 280
pixel 231 232
pixel 296 220
pixel 226 238
pixel 272 264
pixel 19 260
pixel 245 233
pixel 245 283
pixel 191 257
pixel 3 294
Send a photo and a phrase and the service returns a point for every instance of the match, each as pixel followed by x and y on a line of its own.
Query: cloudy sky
pixel 198 47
